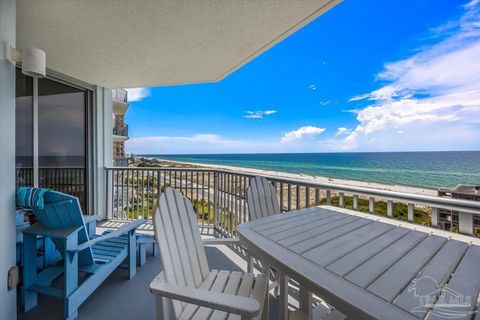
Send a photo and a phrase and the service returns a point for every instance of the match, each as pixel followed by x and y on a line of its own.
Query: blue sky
pixel 365 76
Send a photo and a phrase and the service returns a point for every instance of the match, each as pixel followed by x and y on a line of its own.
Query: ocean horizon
pixel 422 169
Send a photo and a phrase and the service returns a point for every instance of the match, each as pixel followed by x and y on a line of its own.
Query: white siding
pixel 7 160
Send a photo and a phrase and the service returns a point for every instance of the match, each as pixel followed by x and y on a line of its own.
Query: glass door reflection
pixel 62 137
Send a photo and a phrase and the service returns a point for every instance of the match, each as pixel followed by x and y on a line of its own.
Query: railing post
pixel 465 223
pixel 371 204
pixel 435 216
pixel 159 184
pixel 215 200
pixel 341 199
pixel 109 208
pixel 329 197
pixel 411 212
pixel 355 202
pixel 390 208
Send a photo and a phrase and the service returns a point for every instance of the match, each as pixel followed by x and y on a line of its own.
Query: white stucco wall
pixel 7 161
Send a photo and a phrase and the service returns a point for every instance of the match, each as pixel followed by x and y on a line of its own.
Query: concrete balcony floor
pixel 119 298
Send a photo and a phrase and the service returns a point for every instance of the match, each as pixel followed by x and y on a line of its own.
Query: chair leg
pixel 249 263
pixel 70 262
pixel 29 271
pixel 283 297
pixel 70 313
pixel 132 254
pixel 154 249
pixel 276 290
pixel 142 254
pixel 305 298
pixel 163 306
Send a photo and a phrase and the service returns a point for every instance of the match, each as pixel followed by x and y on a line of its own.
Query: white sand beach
pixel 310 178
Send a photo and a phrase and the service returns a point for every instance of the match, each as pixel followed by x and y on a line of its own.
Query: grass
pixel 400 210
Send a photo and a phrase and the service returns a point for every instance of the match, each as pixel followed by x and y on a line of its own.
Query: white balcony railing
pixel 219 197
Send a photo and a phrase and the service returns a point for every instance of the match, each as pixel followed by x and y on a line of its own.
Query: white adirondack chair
pixel 187 288
pixel 262 202
pixel 261 198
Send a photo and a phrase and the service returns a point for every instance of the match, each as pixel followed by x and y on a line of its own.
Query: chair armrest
pixel 122 230
pixel 39 230
pixel 89 219
pixel 221 241
pixel 246 307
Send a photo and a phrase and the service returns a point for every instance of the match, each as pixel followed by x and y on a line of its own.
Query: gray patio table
pixel 367 266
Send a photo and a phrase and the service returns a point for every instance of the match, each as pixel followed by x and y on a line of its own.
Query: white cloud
pixel 205 143
pixel 325 102
pixel 137 94
pixel 312 86
pixel 259 114
pixel 211 143
pixel 198 143
pixel 431 100
pixel 342 131
pixel 306 131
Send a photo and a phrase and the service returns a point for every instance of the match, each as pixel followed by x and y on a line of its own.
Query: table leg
pixel 266 304
pixel 305 301
pixel 283 297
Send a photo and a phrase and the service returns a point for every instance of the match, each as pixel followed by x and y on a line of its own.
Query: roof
pixel 141 43
pixel 463 189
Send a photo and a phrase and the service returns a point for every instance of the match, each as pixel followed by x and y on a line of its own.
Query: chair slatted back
pixel 261 198
pixel 182 253
pixel 63 211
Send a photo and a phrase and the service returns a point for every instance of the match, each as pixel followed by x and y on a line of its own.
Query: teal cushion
pixel 30 197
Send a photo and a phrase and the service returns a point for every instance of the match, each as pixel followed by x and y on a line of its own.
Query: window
pixel 55 155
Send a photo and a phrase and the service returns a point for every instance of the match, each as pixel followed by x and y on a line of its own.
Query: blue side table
pixel 142 242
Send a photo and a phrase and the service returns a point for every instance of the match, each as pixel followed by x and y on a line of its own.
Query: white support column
pixel 103 146
pixel 355 202
pixel 371 205
pixel 341 200
pixel 390 208
pixel 8 298
pixel 411 212
pixel 435 216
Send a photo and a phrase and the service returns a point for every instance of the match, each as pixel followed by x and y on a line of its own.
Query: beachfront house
pixel 56 125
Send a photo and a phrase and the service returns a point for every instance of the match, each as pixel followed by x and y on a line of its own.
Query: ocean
pixel 429 170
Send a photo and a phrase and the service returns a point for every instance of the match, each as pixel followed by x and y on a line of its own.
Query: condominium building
pixel 120 129
pixel 448 219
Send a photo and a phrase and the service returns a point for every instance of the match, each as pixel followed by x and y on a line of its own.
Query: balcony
pixel 120 95
pixel 121 131
pixel 119 298
pixel 219 198
pixel 120 162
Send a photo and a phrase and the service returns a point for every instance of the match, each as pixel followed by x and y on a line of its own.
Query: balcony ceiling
pixel 149 43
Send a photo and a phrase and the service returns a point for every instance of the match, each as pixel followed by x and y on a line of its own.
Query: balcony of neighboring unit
pixel 120 162
pixel 121 131
pixel 120 101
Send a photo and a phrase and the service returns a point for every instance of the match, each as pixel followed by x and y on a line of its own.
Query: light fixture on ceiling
pixel 34 60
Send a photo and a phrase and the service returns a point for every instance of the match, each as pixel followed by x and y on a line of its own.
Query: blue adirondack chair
pixel 97 256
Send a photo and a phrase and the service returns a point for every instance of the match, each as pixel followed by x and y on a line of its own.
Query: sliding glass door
pixel 52 137
pixel 24 129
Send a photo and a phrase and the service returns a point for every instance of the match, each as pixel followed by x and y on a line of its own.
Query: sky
pixel 368 75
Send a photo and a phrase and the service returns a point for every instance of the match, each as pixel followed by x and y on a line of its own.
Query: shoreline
pixel 309 178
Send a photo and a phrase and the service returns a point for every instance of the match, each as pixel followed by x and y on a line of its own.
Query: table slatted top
pixel 368 268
